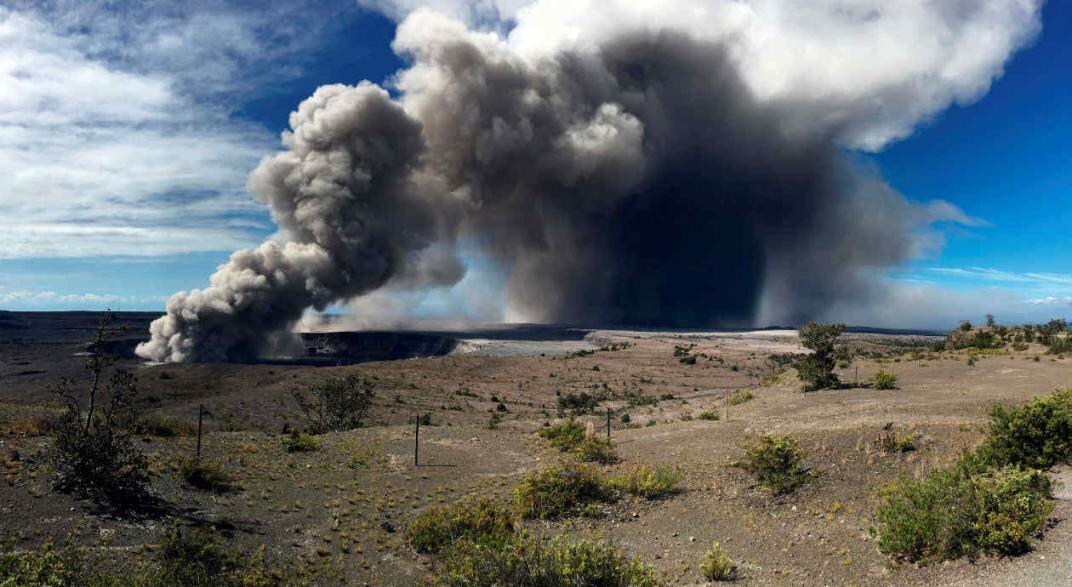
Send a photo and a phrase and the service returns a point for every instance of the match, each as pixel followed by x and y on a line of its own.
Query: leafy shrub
pixel 885 380
pixel 565 435
pixel 1060 345
pixel 1038 434
pixel 965 510
pixel 817 368
pixel 205 475
pixel 486 522
pixel 649 482
pixel 298 442
pixel 1019 346
pixel 595 449
pixel 577 403
pixel 44 566
pixel 562 491
pixel 717 566
pixel 777 463
pixel 708 415
pixel 741 397
pixel 338 404
pixel 528 561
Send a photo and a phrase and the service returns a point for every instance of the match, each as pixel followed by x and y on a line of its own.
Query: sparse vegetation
pixel 708 415
pixel 561 491
pixel 892 442
pixel 884 380
pixel 649 482
pixel 528 560
pixel 741 397
pixel 777 462
pixel 486 522
pixel 91 454
pixel 161 425
pixel 577 404
pixel 205 475
pixel 717 566
pixel 338 404
pixel 298 442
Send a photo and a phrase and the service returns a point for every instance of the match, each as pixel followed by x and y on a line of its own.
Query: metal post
pixel 417 442
pixel 608 425
pixel 200 413
pixel 857 376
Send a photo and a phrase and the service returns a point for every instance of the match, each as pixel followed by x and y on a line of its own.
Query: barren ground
pixel 337 507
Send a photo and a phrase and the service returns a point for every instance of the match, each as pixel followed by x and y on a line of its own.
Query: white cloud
pixel 868 71
pixel 37 299
pixel 997 275
pixel 116 136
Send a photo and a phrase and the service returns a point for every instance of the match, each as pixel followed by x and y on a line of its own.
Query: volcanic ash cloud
pixel 638 178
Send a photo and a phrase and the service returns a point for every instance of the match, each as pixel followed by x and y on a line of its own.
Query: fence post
pixel 417 441
pixel 857 376
pixel 200 414
pixel 608 425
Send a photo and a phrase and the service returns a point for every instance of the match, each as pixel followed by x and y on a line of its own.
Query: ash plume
pixel 638 182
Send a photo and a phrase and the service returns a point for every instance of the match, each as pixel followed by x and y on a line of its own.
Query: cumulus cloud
pixel 116 128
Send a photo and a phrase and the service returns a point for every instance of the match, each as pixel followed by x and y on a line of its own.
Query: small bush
pixel 201 558
pixel 741 397
pixel 594 449
pixel 562 491
pixel 205 475
pixel 966 510
pixel 885 380
pixel 486 522
pixel 893 442
pixel 494 421
pixel 298 442
pixel 717 566
pixel 577 403
pixel 565 435
pixel 777 463
pixel 1060 345
pixel 530 561
pixel 1038 434
pixel 649 482
pixel 338 404
pixel 708 415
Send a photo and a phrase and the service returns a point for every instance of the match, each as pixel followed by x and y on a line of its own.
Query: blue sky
pixel 205 94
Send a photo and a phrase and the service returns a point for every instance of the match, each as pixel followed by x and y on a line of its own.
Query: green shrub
pixel 528 561
pixel 298 442
pixel 42 567
pixel 708 415
pixel 649 482
pixel 777 463
pixel 205 475
pixel 562 491
pixel 966 510
pixel 741 397
pixel 485 521
pixel 817 369
pixel 1038 434
pixel 885 380
pixel 565 435
pixel 1060 345
pixel 577 403
pixel 717 566
pixel 595 449
pixel 338 404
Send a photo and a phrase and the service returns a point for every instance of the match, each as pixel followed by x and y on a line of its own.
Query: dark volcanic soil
pixel 335 508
